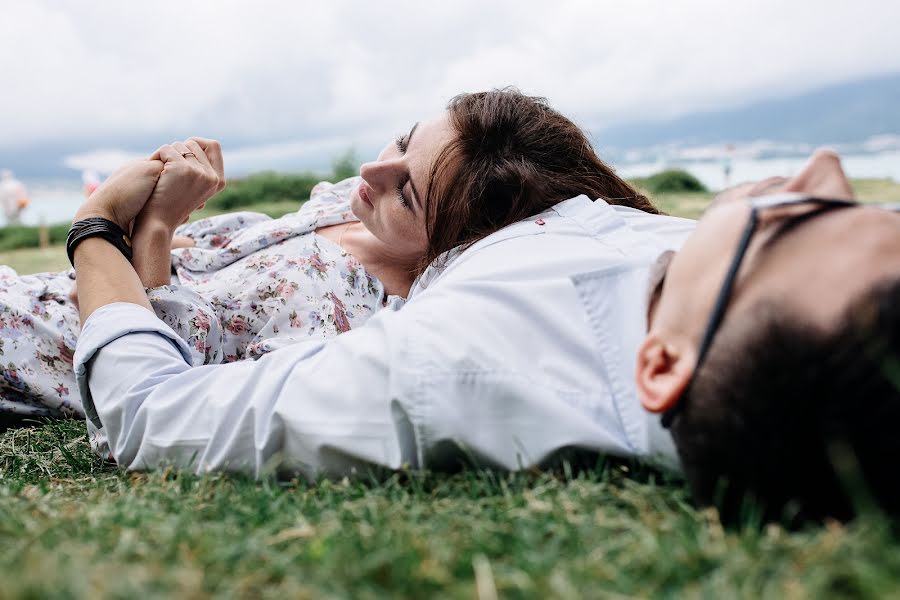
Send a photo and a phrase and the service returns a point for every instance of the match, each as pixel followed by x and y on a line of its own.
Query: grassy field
pixel 72 526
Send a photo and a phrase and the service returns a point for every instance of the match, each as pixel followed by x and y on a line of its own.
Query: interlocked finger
pixel 195 149
pixel 167 153
pixel 184 151
pixel 213 152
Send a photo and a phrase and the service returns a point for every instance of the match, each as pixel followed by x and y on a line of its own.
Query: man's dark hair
pixel 795 423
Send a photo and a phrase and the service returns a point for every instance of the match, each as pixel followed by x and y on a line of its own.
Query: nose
pixel 380 173
pixel 822 176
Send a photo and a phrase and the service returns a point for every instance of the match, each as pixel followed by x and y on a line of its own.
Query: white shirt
pixel 520 348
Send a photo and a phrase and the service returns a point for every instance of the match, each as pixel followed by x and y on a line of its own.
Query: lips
pixel 364 194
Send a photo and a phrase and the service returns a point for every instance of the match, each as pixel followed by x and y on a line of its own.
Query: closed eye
pixel 401 197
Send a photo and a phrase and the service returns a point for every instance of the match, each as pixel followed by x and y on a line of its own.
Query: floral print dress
pixel 251 284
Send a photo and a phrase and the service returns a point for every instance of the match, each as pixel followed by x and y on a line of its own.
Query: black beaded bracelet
pixel 97 227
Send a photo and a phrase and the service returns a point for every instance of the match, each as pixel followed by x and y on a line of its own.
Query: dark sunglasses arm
pixel 721 304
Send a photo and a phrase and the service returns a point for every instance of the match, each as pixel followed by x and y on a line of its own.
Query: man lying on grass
pixel 773 350
pixel 522 346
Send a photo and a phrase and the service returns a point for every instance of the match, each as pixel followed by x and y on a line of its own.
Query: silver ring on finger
pixel 186 154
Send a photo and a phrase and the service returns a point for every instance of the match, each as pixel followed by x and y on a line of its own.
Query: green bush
pixel 269 187
pixel 670 181
pixel 345 166
pixel 265 187
pixel 13 237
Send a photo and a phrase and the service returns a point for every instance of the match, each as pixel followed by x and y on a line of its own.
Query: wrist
pixel 151 229
pixel 152 250
pixel 86 227
pixel 152 217
pixel 92 209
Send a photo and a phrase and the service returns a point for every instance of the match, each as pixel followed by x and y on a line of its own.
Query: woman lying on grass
pixel 250 284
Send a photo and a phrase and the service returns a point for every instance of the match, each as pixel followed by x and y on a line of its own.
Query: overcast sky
pixel 310 79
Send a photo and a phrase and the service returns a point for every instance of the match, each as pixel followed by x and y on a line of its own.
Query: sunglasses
pixel 757 207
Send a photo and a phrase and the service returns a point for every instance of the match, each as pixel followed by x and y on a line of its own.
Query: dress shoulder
pixel 327 197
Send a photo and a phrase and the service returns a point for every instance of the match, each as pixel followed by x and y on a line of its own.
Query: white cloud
pixel 102 161
pixel 331 73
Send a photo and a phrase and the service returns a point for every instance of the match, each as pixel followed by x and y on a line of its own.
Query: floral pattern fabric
pixel 38 329
pixel 251 284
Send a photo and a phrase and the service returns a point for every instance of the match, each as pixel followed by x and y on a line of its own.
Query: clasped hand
pixel 160 191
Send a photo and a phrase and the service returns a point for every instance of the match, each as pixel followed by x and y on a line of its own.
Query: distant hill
pixel 849 112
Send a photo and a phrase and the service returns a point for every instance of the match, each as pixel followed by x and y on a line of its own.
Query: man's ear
pixel 663 371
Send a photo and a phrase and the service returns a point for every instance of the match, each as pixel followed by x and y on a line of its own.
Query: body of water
pixel 56 201
pixel 712 173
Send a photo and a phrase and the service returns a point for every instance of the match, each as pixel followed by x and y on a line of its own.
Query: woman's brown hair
pixel 512 157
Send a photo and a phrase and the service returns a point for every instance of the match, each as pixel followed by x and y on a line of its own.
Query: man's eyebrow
pixel 416 196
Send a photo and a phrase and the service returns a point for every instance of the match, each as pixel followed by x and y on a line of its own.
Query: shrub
pixel 670 181
pixel 13 237
pixel 345 166
pixel 267 186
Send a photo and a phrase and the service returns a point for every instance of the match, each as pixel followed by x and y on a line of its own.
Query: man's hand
pixel 124 193
pixel 192 174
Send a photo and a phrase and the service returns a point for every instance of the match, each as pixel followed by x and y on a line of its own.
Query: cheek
pixel 407 230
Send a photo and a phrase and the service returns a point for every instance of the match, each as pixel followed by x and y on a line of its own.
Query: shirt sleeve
pixel 294 411
pixel 193 319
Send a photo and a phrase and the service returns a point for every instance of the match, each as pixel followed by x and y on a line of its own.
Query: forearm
pixel 152 244
pixel 105 276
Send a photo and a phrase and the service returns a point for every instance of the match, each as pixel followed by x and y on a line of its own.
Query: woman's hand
pixel 192 174
pixel 182 241
pixel 124 193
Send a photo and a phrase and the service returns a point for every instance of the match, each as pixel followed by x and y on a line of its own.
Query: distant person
pixel 726 165
pixel 13 197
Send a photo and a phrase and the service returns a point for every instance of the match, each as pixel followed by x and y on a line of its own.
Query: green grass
pixel 36 260
pixel 72 526
pixel 877 190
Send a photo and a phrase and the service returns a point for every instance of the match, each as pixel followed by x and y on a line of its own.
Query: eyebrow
pixel 416 196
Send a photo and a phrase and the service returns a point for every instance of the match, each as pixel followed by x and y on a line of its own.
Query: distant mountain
pixel 849 112
pixel 845 113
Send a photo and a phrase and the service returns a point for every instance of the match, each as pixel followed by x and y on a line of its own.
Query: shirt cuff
pixel 107 324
